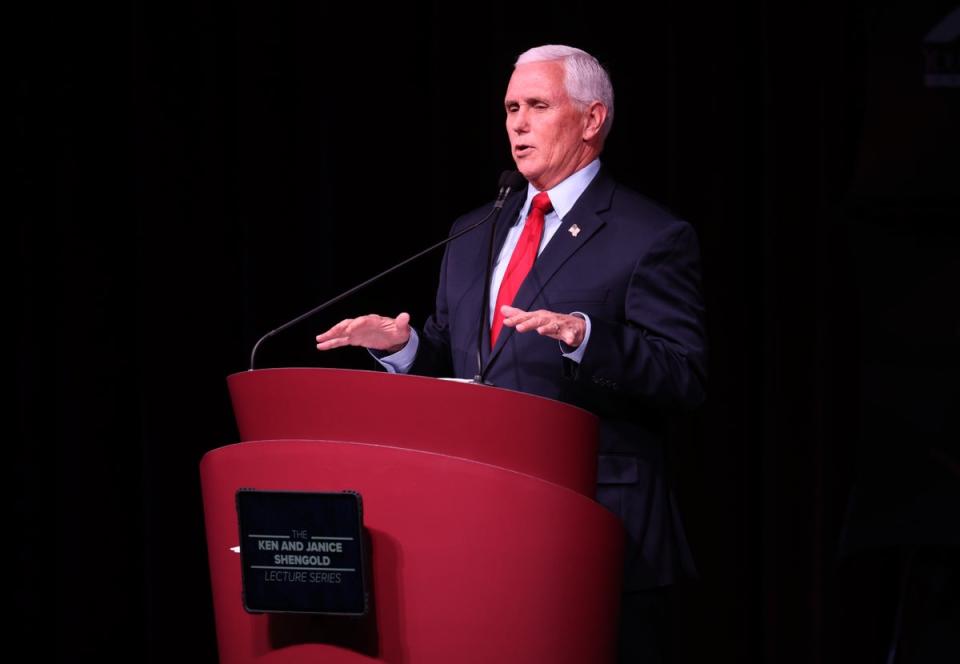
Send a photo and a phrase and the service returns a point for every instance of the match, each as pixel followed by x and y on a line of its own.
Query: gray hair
pixel 584 78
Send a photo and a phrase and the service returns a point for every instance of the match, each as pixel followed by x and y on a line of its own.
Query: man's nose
pixel 518 121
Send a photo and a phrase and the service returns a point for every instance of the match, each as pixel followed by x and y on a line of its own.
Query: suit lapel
pixel 585 214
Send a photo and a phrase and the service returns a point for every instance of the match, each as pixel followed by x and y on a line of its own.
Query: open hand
pixel 562 327
pixel 371 331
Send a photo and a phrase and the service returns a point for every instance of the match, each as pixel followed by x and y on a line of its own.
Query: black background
pixel 192 175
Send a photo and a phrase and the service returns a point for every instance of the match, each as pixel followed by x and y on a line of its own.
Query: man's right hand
pixel 372 331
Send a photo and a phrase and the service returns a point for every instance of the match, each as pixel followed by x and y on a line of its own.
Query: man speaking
pixel 593 299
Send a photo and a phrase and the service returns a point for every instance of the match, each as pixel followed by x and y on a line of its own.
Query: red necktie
pixel 522 259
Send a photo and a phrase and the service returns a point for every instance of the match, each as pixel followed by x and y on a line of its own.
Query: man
pixel 608 317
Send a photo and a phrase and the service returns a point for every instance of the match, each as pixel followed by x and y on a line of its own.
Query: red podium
pixel 485 542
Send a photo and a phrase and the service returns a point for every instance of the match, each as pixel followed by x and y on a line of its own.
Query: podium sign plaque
pixel 302 552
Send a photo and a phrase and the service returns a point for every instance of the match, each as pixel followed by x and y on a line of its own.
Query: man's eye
pixel 540 106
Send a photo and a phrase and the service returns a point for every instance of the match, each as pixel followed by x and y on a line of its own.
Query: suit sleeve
pixel 433 354
pixel 657 354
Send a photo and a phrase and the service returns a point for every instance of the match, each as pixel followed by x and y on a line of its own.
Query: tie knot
pixel 542 202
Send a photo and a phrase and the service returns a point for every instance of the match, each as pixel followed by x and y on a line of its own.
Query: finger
pixel 514 317
pixel 330 344
pixel 550 328
pixel 534 320
pixel 335 331
pixel 402 321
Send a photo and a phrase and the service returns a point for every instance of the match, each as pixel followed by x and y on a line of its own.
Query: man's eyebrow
pixel 530 101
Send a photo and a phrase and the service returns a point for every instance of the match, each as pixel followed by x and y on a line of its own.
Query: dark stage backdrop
pixel 192 175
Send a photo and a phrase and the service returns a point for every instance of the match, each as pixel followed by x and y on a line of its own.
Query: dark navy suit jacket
pixel 634 269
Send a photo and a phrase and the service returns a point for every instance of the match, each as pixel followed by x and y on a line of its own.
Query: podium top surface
pixel 525 433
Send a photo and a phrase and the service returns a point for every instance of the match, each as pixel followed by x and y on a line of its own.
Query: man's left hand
pixel 562 327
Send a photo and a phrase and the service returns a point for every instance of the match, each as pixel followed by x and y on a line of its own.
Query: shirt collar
pixel 566 193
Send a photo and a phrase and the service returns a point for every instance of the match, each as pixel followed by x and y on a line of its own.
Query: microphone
pixel 514 181
pixel 509 182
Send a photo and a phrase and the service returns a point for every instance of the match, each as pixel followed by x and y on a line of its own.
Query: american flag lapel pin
pixel 574 230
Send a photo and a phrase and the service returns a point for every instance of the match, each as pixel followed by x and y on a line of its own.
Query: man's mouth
pixel 522 149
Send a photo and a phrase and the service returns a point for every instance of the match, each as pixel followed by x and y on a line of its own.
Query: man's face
pixel 547 131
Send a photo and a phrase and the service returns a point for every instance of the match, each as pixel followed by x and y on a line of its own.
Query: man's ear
pixel 594 117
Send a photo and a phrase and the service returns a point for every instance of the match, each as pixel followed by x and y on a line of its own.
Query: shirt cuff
pixel 401 361
pixel 576 354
